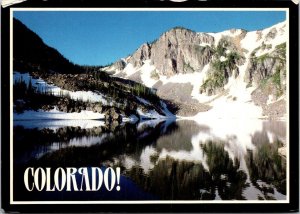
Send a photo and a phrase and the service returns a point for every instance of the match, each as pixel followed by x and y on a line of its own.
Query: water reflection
pixel 170 160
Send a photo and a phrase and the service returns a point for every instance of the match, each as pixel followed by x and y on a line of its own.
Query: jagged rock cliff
pixel 266 65
pixel 193 69
pixel 178 50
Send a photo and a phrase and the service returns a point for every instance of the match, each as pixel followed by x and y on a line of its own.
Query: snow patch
pixel 129 69
pixel 146 72
pixel 250 41
pixel 168 114
pixel 271 99
pixel 225 109
pixel 152 114
pixel 223 58
pixel 149 124
pixel 142 100
pixel 42 86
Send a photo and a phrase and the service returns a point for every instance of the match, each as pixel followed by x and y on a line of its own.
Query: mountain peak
pixel 180 28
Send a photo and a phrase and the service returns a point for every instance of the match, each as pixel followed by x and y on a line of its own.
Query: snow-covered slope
pixel 96 98
pixel 234 95
pixel 48 82
pixel 182 73
pixel 42 86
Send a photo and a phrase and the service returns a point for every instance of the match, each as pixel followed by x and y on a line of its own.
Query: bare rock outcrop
pixel 178 50
pixel 141 54
pixel 267 65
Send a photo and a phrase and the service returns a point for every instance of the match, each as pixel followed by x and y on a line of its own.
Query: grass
pixel 154 75
pixel 280 53
pixel 281 50
pixel 266 46
pixel 276 77
pixel 187 67
pixel 262 57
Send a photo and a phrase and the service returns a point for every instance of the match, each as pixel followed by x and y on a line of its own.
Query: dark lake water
pixel 159 160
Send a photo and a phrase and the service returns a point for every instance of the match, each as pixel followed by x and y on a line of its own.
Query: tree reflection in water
pixel 267 168
pixel 180 160
pixel 182 180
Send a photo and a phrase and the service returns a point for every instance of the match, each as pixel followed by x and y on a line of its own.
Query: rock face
pixel 207 63
pixel 268 65
pixel 119 65
pixel 188 68
pixel 179 50
pixel 176 51
pixel 143 53
pixel 225 64
pixel 268 73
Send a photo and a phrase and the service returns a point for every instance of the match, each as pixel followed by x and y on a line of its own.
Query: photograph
pixel 150 106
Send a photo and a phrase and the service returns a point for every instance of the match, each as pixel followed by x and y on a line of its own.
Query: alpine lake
pixel 158 159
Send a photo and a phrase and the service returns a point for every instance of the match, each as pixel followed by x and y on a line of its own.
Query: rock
pixel 107 116
pixel 97 108
pixel 64 108
pixel 282 151
pixel 176 51
pixel 115 115
pixel 113 125
pixel 260 69
pixel 141 54
pixel 271 34
pixel 112 114
pixel 119 65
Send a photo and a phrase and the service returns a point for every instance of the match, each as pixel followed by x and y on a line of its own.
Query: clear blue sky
pixel 99 38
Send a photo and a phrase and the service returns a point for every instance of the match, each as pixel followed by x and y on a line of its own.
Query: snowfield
pixel 236 102
pixel 84 96
pixel 42 86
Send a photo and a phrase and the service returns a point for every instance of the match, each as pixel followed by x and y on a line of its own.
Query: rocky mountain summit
pixel 192 69
pixel 176 51
pixel 188 73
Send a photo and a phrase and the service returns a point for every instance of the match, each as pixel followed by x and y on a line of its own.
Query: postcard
pixel 161 109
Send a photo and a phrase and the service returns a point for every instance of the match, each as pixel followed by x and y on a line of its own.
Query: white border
pixel 151 201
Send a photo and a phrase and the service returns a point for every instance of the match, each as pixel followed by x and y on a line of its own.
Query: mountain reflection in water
pixel 169 160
